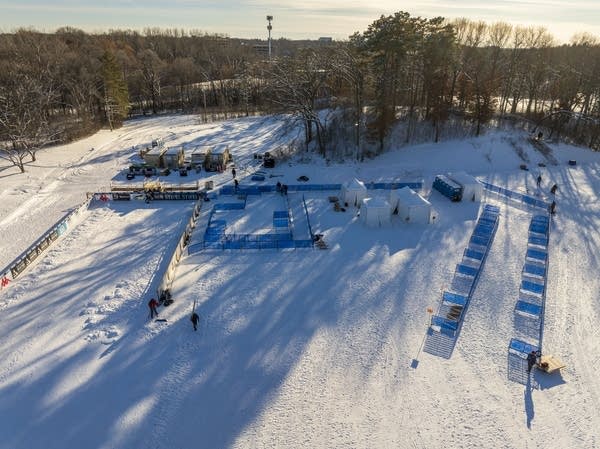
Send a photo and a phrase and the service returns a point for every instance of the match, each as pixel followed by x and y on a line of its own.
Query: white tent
pixel 354 192
pixel 472 189
pixel 411 206
pixel 375 212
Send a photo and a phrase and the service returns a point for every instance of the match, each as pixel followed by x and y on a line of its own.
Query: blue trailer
pixel 448 187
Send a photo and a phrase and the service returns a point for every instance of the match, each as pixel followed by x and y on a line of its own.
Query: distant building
pixel 325 40
pixel 261 49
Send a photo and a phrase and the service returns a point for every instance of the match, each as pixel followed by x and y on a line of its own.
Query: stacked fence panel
pixel 445 324
pixel 529 308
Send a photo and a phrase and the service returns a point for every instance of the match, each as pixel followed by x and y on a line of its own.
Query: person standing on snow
pixel 553 189
pixel 531 360
pixel 194 319
pixel 153 304
pixel 538 180
pixel 233 172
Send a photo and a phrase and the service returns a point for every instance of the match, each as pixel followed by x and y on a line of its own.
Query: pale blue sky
pixel 292 19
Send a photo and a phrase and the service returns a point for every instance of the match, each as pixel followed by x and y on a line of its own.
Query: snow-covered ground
pixel 296 349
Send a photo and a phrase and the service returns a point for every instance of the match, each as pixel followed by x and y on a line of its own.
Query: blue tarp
pixel 527 308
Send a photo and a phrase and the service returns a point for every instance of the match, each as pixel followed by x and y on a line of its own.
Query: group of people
pixel 532 359
pixel 153 305
pixel 281 188
pixel 553 190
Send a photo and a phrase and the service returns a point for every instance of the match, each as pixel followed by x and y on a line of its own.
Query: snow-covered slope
pixel 296 349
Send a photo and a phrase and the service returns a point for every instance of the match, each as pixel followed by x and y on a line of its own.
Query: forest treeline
pixel 426 75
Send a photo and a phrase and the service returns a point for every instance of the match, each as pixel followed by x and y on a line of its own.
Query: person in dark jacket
pixel 153 304
pixel 538 181
pixel 233 172
pixel 553 189
pixel 553 207
pixel 531 360
pixel 194 319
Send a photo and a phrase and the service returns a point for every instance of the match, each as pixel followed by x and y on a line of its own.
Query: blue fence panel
pixel 466 270
pixel 229 206
pixel 538 255
pixel 472 254
pixel 538 241
pixel 454 298
pixel 444 323
pixel 303 243
pixel 539 229
pixel 520 347
pixel 543 219
pixel 532 288
pixel 491 208
pixel 528 309
pixel 534 270
pixel 480 241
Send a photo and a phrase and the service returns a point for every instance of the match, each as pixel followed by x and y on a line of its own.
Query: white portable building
pixel 411 206
pixel 354 192
pixel 199 155
pixel 472 188
pixel 155 157
pixel 173 157
pixel 375 212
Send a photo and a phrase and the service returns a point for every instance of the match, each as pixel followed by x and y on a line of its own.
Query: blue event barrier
pixel 534 270
pixel 528 308
pixel 257 190
pixel 520 348
pixel 454 304
pixel 454 298
pixel 535 254
pixel 532 288
pixel 466 270
pixel 538 241
pixel 472 254
pixel 526 199
pixel 229 206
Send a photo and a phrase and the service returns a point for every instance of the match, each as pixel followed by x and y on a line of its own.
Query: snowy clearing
pixel 301 348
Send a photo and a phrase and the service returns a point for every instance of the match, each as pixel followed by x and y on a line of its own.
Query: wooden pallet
pixel 549 364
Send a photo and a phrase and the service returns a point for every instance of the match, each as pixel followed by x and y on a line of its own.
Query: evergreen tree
pixel 115 94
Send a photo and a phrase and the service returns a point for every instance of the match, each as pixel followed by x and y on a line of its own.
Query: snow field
pixel 304 348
